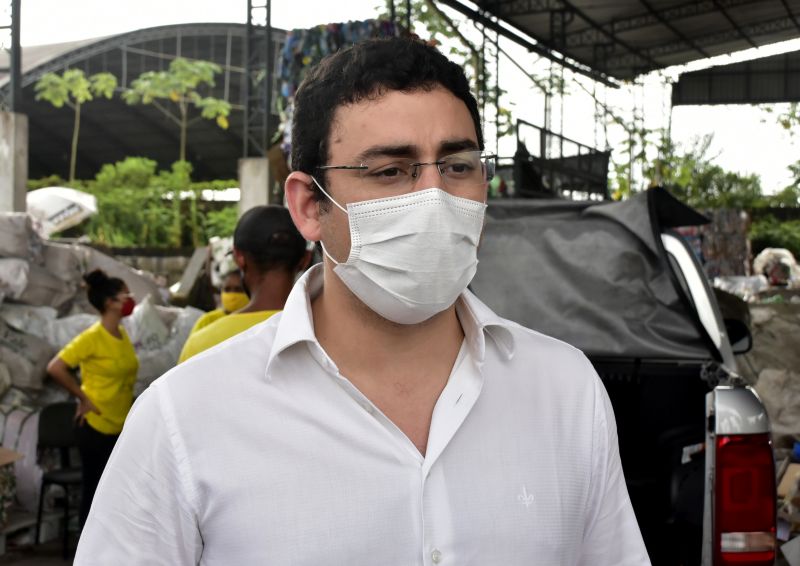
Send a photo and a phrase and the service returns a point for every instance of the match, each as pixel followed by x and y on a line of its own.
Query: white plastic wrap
pixel 25 355
pixel 63 330
pixel 5 379
pixel 145 328
pixel 744 287
pixel 28 319
pixel 44 288
pixel 63 261
pixel 18 238
pixel 769 258
pixel 13 277
pixel 154 363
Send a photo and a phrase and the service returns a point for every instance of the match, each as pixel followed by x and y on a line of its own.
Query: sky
pixel 746 139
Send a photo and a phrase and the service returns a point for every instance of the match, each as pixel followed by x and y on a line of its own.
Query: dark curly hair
pixel 365 71
pixel 102 287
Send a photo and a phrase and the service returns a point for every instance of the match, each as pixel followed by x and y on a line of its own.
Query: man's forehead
pixel 403 122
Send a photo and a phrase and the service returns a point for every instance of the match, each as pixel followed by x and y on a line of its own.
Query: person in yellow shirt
pixel 108 367
pixel 232 297
pixel 270 252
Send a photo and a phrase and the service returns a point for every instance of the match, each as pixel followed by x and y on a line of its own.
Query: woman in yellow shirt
pixel 108 367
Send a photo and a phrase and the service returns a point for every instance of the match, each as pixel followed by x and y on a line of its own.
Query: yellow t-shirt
pixel 221 330
pixel 206 319
pixel 108 372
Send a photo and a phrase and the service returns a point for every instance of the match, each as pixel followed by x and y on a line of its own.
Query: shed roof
pixel 620 39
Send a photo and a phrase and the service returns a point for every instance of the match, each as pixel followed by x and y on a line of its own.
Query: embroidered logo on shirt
pixel 525 498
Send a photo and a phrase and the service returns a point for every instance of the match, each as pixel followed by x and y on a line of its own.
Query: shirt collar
pixel 296 324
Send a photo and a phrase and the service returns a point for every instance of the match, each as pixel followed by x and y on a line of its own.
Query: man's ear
pixel 299 191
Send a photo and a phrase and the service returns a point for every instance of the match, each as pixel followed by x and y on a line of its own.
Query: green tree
pixel 181 85
pixel 73 88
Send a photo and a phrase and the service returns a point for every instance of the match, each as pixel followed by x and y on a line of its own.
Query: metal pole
pixel 16 59
pixel 247 78
pixel 408 15
pixel 497 94
pixel 392 13
pixel 269 78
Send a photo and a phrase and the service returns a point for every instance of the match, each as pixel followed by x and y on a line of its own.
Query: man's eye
pixel 459 168
pixel 388 173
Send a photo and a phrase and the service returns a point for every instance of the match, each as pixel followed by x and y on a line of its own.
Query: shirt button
pixel 436 555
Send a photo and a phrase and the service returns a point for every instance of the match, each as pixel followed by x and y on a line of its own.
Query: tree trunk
pixel 75 130
pixel 182 106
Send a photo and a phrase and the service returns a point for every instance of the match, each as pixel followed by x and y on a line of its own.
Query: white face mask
pixel 411 256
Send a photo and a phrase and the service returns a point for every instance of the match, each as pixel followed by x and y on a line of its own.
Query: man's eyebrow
pixel 404 150
pixel 452 146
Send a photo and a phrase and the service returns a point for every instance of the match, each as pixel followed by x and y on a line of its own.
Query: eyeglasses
pixel 459 171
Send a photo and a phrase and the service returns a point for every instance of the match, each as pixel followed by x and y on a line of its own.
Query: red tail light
pixel 745 504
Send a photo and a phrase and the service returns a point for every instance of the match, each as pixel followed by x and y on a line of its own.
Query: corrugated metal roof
pixel 111 129
pixel 620 39
pixel 766 80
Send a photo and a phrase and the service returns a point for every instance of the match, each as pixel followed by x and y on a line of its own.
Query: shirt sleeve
pixel 611 532
pixel 79 349
pixel 144 510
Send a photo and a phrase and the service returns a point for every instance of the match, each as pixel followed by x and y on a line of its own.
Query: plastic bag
pixel 778 265
pixel 145 328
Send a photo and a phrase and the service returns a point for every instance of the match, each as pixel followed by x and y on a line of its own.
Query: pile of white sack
pixel 43 306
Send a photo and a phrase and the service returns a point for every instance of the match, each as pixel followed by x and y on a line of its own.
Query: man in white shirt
pixel 386 416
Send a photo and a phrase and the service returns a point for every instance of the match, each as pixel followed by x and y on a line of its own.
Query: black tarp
pixel 592 274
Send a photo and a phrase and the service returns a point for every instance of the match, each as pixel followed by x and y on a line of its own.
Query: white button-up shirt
pixel 259 451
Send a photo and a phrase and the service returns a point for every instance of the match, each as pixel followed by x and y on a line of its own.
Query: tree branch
pixel 167 113
pixel 432 5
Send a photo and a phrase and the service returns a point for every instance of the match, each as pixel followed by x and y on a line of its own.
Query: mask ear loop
pixel 324 192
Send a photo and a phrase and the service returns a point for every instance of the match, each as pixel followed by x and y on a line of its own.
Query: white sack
pixel 63 261
pixel 28 319
pixel 46 289
pixel 26 356
pixel 154 363
pixel 63 330
pixel 18 238
pixel 13 277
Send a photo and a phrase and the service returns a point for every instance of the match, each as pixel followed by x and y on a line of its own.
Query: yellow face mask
pixel 234 301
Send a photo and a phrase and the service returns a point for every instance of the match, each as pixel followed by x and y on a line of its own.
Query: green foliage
pixel 51 181
pixel 222 222
pixel 768 232
pixel 788 120
pixel 140 206
pixel 180 86
pixel 73 88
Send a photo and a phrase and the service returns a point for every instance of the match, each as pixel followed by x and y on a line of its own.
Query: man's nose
pixel 428 177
